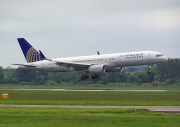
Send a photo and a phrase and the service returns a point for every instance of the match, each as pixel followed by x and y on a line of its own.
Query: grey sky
pixel 65 28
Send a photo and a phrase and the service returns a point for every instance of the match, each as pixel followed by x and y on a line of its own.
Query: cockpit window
pixel 159 55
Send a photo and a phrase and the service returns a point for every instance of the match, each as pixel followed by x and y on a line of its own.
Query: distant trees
pixel 1 75
pixel 169 73
pixel 10 77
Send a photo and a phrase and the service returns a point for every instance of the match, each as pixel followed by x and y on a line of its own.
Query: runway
pixel 164 109
pixel 98 90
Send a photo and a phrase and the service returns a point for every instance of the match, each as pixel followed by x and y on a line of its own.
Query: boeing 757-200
pixel 93 64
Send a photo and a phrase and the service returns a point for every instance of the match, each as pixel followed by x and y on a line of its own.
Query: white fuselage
pixel 109 60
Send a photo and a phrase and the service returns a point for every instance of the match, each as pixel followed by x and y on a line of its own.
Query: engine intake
pixel 96 68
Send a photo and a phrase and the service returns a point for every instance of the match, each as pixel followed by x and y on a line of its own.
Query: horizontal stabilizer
pixel 25 65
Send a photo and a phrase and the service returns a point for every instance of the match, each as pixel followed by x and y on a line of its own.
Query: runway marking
pixel 88 90
pixel 166 109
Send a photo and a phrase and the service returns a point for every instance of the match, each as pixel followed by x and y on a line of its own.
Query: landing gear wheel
pixel 148 73
pixel 94 76
pixel 149 69
pixel 84 77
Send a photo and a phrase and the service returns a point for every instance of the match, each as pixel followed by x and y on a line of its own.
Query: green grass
pixel 92 98
pixel 59 117
pixel 38 117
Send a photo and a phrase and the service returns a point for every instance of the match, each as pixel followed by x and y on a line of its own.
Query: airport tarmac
pixel 90 90
pixel 164 109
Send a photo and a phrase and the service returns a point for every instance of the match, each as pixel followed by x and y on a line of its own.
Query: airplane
pixel 93 64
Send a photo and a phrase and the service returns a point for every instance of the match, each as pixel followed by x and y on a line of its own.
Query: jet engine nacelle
pixel 115 69
pixel 96 69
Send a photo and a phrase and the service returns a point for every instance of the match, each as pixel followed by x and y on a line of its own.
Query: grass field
pixel 92 98
pixel 28 117
pixel 59 117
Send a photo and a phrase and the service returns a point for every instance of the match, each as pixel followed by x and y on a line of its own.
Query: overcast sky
pixel 65 28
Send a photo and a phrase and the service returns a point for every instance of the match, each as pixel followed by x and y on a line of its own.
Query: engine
pixel 115 69
pixel 96 69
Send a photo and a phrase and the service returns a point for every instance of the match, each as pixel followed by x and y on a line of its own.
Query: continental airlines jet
pixel 88 64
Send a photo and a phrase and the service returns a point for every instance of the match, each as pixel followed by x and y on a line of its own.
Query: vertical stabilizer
pixel 30 53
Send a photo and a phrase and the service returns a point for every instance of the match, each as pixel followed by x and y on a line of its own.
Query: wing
pixel 73 65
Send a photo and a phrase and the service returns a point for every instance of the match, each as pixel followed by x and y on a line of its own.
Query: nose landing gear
pixel 149 69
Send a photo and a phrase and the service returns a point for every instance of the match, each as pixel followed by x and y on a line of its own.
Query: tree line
pixel 168 72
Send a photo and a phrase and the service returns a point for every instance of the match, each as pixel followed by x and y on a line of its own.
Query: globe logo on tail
pixel 32 55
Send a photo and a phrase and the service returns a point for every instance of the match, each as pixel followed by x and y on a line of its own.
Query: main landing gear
pixel 94 76
pixel 149 69
pixel 85 76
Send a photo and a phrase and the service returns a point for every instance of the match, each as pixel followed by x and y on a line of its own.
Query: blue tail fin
pixel 30 53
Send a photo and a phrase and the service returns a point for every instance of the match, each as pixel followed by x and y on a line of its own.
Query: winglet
pixel 43 57
pixel 98 53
